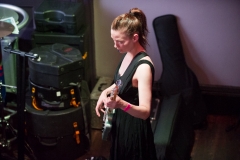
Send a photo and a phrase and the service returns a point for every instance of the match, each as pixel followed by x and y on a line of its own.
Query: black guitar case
pixel 181 106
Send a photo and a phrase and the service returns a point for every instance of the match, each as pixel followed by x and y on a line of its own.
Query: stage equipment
pixel 7 133
pixel 56 117
pixel 58 65
pixel 102 83
pixel 9 60
pixel 64 23
pixel 14 69
pixel 55 98
pixel 8 10
pixel 5 125
pixel 182 105
pixel 56 134
pixel 78 41
pixel 60 16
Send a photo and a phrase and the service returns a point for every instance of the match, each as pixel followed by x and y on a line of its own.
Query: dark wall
pixel 20 3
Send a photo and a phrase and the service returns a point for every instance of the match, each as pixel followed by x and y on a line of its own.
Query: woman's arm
pixel 143 80
pixel 100 102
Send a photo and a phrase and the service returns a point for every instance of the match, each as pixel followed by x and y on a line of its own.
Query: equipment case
pixel 61 16
pixel 52 134
pixel 55 99
pixel 58 65
pixel 79 41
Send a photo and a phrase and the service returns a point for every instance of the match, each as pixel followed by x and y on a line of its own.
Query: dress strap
pixel 151 66
pixel 131 69
pixel 132 64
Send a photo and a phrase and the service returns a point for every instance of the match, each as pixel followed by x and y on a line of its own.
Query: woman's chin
pixel 121 51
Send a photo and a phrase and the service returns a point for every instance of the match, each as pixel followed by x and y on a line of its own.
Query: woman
pixel 132 137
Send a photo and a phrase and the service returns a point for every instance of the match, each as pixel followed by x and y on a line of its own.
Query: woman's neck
pixel 138 48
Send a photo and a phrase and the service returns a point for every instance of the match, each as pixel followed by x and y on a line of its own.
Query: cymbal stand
pixel 21 95
pixel 5 141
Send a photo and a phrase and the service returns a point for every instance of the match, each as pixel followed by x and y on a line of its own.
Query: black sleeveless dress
pixel 132 138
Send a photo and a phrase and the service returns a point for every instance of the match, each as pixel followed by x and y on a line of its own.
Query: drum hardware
pixel 4 85
pixel 18 70
pixel 19 10
pixel 8 134
pixel 8 49
pixel 5 126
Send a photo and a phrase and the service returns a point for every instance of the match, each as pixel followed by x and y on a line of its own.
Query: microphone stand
pixel 21 70
pixel 20 105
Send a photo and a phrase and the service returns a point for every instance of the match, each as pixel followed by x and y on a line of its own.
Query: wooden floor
pixel 98 146
pixel 211 143
pixel 215 143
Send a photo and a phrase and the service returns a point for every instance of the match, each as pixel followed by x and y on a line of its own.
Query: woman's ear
pixel 135 37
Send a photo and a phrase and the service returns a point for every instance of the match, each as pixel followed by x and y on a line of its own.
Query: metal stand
pixel 20 97
pixel 20 82
pixel 5 126
pixel 20 105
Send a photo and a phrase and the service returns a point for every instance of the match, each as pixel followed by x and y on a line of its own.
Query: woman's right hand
pixel 100 102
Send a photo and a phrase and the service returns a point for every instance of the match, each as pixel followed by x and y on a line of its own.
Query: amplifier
pixel 103 83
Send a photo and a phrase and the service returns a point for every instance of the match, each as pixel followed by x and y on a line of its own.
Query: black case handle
pixel 47 144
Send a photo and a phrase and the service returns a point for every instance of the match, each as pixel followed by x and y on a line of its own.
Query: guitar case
pixel 182 106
